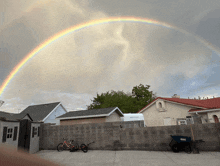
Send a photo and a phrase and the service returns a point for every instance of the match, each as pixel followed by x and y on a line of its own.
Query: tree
pixel 142 95
pixel 126 102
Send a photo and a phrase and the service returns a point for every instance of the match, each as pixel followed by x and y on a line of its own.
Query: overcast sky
pixel 112 56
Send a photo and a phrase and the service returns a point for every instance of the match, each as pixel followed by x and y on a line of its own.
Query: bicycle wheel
pixel 60 147
pixel 175 148
pixel 84 148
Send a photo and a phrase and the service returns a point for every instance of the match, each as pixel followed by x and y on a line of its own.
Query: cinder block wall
pixel 128 136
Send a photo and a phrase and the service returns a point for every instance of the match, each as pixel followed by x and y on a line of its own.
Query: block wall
pixel 128 136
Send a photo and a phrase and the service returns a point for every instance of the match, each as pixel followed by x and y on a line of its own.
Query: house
pixel 176 111
pixel 45 113
pixel 102 115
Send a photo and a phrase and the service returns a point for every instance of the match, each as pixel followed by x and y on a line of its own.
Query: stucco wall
pixel 153 117
pixel 204 117
pixel 82 121
pixel 210 116
pixel 9 141
pixel 114 117
pixel 58 112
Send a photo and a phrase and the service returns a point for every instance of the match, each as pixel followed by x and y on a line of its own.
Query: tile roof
pixel 86 113
pixel 39 112
pixel 206 104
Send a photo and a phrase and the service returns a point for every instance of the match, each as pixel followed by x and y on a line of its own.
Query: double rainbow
pixel 73 29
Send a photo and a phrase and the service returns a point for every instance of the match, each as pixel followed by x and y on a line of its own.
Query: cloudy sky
pixel 112 56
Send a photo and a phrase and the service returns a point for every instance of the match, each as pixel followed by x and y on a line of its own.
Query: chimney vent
pixel 175 96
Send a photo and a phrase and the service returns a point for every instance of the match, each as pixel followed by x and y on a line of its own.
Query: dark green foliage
pixel 127 103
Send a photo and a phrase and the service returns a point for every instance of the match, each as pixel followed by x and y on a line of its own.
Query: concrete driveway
pixel 130 158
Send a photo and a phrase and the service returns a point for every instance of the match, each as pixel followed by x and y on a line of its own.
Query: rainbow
pixel 79 27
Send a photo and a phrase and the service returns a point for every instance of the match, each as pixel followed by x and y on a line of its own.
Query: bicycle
pixel 67 146
pixel 72 147
pixel 82 147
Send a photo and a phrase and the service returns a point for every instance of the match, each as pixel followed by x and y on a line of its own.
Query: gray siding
pixel 58 112
pixel 114 117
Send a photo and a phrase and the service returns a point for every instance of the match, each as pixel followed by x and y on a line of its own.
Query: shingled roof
pixel 103 112
pixel 39 112
pixel 203 104
pixel 13 116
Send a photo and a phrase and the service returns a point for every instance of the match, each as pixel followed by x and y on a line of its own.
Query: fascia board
pixel 114 110
pixel 205 111
pixel 81 117
pixel 63 107
pixel 144 109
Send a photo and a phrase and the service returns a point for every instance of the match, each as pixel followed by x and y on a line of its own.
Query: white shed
pixel 9 132
pixel 133 117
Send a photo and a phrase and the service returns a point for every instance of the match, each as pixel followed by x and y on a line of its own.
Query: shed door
pixel 167 121
pixel 24 134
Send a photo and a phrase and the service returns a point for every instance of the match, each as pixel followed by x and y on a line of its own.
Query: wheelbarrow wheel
pixel 188 149
pixel 175 148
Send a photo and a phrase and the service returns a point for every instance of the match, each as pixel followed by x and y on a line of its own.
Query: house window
pixel 189 120
pixel 34 131
pixel 9 134
pixel 215 117
pixel 167 121
pixel 182 122
pixel 160 105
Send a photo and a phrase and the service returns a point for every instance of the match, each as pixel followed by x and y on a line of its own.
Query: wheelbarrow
pixel 194 145
pixel 180 143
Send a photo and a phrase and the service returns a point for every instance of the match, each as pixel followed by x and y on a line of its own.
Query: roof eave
pixel 116 108
pixel 201 111
pixel 81 117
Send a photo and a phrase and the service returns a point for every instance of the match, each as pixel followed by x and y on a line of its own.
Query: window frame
pixel 9 132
